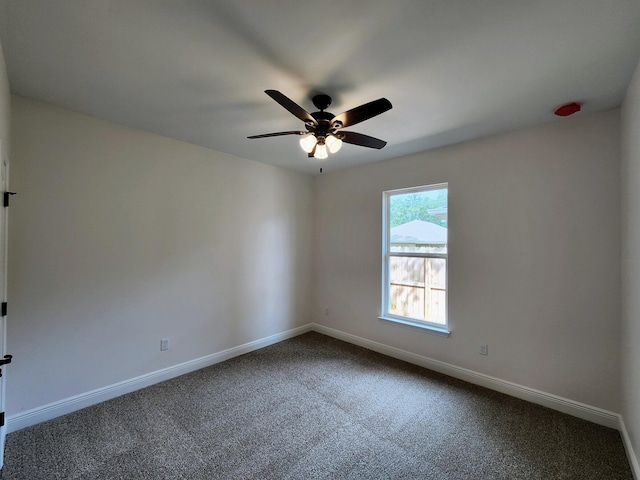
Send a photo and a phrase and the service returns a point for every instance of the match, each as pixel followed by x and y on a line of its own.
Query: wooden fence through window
pixel 418 288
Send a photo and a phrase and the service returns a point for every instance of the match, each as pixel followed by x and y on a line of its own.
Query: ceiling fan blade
pixel 363 112
pixel 292 106
pixel 279 134
pixel 362 140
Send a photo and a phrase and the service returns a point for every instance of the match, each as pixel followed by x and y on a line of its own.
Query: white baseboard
pixel 577 409
pixel 71 404
pixel 631 455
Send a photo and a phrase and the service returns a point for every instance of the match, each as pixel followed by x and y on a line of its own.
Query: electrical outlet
pixel 484 349
pixel 164 344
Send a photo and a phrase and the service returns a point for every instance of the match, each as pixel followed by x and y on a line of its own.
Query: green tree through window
pixel 416 206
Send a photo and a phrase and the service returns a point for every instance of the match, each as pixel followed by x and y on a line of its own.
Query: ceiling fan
pixel 324 129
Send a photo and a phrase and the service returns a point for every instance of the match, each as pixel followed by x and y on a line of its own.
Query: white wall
pixel 120 238
pixel 630 346
pixel 534 255
pixel 4 105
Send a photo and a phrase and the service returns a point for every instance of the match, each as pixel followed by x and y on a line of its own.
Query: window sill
pixel 441 331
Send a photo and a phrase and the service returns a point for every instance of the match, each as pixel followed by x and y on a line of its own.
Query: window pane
pixel 418 222
pixel 417 288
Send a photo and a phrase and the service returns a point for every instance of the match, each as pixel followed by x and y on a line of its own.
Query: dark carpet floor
pixel 315 407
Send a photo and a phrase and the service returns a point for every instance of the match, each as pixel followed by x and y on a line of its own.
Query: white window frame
pixel 385 314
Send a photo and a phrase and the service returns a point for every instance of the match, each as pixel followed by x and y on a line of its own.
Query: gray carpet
pixel 315 407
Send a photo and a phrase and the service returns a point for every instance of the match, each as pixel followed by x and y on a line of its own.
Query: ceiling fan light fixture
pixel 333 143
pixel 307 143
pixel 321 151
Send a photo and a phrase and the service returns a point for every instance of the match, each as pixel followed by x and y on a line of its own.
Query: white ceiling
pixel 196 70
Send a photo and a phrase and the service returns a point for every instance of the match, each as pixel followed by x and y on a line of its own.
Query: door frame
pixel 4 223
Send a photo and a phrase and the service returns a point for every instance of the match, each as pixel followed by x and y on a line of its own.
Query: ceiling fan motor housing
pixel 325 124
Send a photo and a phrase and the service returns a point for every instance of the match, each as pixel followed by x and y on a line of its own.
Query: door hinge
pixel 6 359
pixel 6 197
pixel 1 419
pixel 3 310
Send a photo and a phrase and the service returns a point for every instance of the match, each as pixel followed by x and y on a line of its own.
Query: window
pixel 414 264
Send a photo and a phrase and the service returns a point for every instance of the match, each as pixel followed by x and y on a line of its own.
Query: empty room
pixel 284 239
